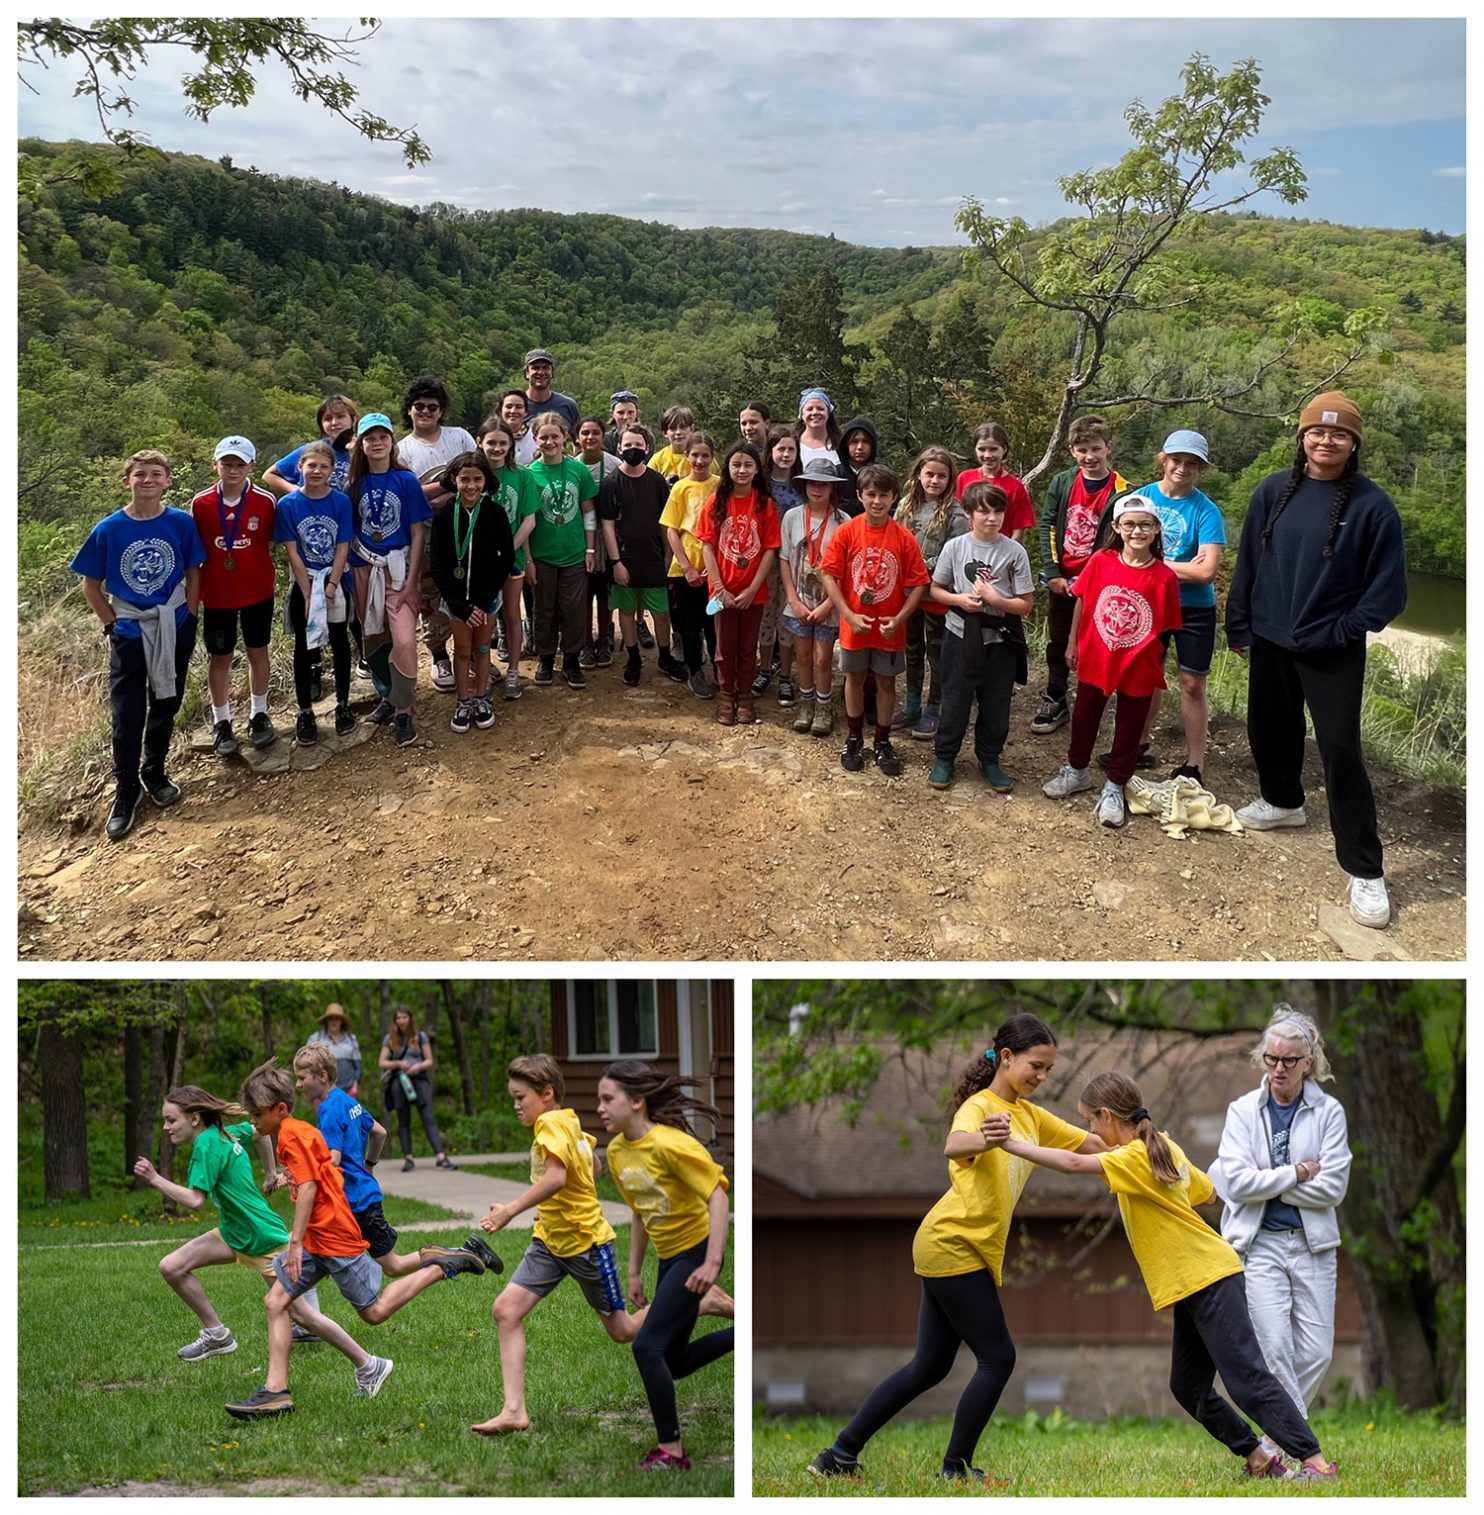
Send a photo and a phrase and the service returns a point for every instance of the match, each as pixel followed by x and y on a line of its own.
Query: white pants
pixel 1291 1298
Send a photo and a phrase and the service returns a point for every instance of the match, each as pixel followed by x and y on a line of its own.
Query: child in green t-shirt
pixel 564 548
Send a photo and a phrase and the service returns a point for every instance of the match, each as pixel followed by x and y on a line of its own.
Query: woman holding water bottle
pixel 406 1078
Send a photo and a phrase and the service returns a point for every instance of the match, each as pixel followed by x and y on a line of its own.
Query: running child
pixel 687 572
pixel 817 430
pixel 471 548
pixel 677 1196
pixel 811 624
pixel 1125 599
pixel 739 536
pixel 571 1237
pixel 325 1241
pixel 959 1248
pixel 875 575
pixel 517 494
pixel 390 514
pixel 597 652
pixel 336 419
pixel 1186 1264
pixel 930 511
pixel 314 522
pixel 141 576
pixel 564 549
pixel 991 448
pixel 248 1231
pixel 984 579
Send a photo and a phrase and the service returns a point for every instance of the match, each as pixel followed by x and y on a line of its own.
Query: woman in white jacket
pixel 1283 1168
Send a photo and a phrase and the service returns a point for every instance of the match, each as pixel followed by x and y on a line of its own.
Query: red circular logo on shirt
pixel 874 574
pixel 1123 617
pixel 738 540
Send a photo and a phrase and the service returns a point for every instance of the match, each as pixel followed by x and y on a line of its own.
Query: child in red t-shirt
pixel 1126 598
pixel 739 534
pixel 874 572
pixel 235 518
pixel 991 448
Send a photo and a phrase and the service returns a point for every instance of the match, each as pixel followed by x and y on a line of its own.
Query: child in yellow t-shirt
pixel 960 1246
pixel 678 1196
pixel 687 575
pixel 1186 1264
pixel 571 1237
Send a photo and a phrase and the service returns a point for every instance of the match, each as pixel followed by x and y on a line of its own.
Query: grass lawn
pixel 1378 1452
pixel 105 1403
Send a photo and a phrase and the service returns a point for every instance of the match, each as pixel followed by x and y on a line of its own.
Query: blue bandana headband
pixel 815 394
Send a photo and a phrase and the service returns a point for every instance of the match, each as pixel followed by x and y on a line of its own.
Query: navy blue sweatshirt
pixel 1293 595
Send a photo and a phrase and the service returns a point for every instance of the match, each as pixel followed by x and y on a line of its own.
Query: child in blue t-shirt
pixel 1192 534
pixel 315 523
pixel 336 418
pixel 141 574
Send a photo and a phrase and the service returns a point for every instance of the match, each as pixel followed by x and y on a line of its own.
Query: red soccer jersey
pixel 250 526
pixel 332 1230
pixel 1124 610
pixel 1084 515
pixel 874 567
pixel 1019 515
pixel 746 534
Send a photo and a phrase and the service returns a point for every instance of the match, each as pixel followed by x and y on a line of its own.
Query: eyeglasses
pixel 1139 526
pixel 1287 1062
pixel 1324 434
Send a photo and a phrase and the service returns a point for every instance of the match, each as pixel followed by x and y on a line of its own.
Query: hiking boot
pixel 306 729
pixel 1052 714
pixel 484 712
pixel 907 716
pixel 260 730
pixel 545 670
pixel 804 720
pixel 223 743
pixel 1369 902
pixel 746 715
pixel 997 778
pixel 443 674
pixel 382 714
pixel 824 715
pixel 120 820
pixel 463 716
pixel 760 681
pixel 208 1344
pixel 1066 781
pixel 1146 761
pixel 788 692
pixel 370 1377
pixel 671 667
pixel 646 636
pixel 345 720
pixel 942 775
pixel 830 1464
pixel 572 672
pixel 1189 771
pixel 512 685
pixel 657 1459
pixel 886 759
pixel 453 1260
pixel 853 759
pixel 1261 816
pixel 161 789
pixel 588 657
pixel 406 733
pixel 699 687
pixel 1111 809
pixel 926 726
pixel 726 707
pixel 633 670
pixel 263 1404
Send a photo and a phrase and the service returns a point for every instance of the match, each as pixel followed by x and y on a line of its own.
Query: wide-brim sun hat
pixel 819 471
pixel 333 1009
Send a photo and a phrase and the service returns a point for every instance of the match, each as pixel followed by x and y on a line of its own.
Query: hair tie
pixel 989 1053
pixel 1141 1114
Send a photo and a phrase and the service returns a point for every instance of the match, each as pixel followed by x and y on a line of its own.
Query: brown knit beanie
pixel 1333 408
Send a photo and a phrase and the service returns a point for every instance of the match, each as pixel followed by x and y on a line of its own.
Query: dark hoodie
pixel 849 502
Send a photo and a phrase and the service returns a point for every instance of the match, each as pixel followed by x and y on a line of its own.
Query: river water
pixel 1435 607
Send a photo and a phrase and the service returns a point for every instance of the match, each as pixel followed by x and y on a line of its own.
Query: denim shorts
pixel 816 631
pixel 358 1278
pixel 1195 641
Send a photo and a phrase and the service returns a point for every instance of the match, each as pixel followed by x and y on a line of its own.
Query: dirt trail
pixel 620 824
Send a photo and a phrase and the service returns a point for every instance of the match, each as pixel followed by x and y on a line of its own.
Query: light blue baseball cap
pixel 378 418
pixel 1188 441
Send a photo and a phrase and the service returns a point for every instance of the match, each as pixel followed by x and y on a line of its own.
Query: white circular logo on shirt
pixel 1174 527
pixel 1122 616
pixel 559 502
pixel 738 540
pixel 874 574
pixel 381 511
pixel 317 537
pixel 146 565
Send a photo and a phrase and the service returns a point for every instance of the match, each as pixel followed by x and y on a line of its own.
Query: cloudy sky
pixel 871 129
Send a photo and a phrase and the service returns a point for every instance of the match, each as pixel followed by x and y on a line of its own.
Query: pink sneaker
pixel 1305 1471
pixel 1275 1467
pixel 658 1457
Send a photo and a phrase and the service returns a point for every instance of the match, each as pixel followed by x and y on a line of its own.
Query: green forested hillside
pixel 201 299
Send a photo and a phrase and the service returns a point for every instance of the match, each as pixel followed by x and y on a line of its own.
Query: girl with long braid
pixel 960 1246
pixel 678 1196
pixel 1320 564
pixel 1186 1264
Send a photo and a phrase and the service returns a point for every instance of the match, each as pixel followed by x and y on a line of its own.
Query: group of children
pixel 676 1191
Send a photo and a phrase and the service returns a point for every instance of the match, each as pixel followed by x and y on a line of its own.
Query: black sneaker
pixel 603 652
pixel 463 716
pixel 260 729
pixel 646 636
pixel 406 733
pixel 160 788
pixel 306 729
pixel 223 743
pixel 1189 771
pixel 363 668
pixel 886 759
pixel 493 1262
pixel 633 670
pixel 761 680
pixel 382 714
pixel 671 667
pixel 588 656
pixel 263 1404
pixel 345 720
pixel 853 759
pixel 545 671
pixel 573 674
pixel 1145 761
pixel 829 1464
pixel 121 818
pixel 453 1260
pixel 1052 714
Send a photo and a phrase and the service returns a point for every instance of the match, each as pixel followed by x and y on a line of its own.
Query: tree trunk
pixel 158 1071
pixel 64 1113
pixel 1402 1216
pixel 460 1045
pixel 486 996
pixel 176 1062
pixel 264 999
pixel 136 1118
pixel 386 1007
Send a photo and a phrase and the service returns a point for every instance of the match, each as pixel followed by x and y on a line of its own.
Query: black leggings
pixel 965 1307
pixel 304 660
pixel 688 615
pixel 663 1349
pixel 424 1091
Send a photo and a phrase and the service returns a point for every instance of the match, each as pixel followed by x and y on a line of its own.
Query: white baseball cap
pixel 234 447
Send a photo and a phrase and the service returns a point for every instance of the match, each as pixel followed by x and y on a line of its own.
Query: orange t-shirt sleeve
pixel 770 529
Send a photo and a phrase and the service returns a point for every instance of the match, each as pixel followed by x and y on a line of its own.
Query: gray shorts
pixel 540 1271
pixel 358 1278
pixel 872 660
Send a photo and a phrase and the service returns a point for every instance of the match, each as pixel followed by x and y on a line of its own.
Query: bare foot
pixel 716 1301
pixel 506 1420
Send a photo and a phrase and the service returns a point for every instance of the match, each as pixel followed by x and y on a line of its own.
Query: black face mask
pixel 633 456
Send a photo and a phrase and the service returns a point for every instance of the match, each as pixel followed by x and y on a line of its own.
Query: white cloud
pixel 1457 172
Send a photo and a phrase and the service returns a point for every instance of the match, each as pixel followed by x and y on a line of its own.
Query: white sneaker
pixel 1369 902
pixel 1066 781
pixel 442 674
pixel 1111 810
pixel 1261 816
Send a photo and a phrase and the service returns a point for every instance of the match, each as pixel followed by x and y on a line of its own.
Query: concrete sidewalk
pixel 468 1194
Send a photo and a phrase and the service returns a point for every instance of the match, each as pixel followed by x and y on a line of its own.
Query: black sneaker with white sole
pixel 573 674
pixel 346 720
pixel 260 730
pixel 829 1464
pixel 223 742
pixel 406 732
pixel 161 788
pixel 382 714
pixel 120 820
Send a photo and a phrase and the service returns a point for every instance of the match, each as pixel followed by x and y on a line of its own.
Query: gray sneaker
pixel 1067 781
pixel 1111 808
pixel 699 687
pixel 370 1378
pixel 207 1345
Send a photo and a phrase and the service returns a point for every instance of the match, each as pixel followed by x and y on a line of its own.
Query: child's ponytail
pixel 1018 1034
pixel 664 1094
pixel 1119 1096
pixel 191 1100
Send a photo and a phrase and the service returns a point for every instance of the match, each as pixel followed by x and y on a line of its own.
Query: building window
pixel 610 1018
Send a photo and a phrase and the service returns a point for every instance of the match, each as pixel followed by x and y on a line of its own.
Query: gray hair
pixel 1295 1025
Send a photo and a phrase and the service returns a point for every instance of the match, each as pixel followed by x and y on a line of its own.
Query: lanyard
pixel 229 534
pixel 464 549
pixel 824 526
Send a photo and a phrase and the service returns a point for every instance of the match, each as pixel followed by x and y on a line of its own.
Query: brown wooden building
pixel 683 1026
pixel 836 1207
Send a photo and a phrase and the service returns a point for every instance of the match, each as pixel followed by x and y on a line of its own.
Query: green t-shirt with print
pixel 517 490
pixel 558 537
pixel 222 1170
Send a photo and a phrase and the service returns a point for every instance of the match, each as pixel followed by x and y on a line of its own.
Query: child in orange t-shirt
pixel 739 534
pixel 324 1241
pixel 874 572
